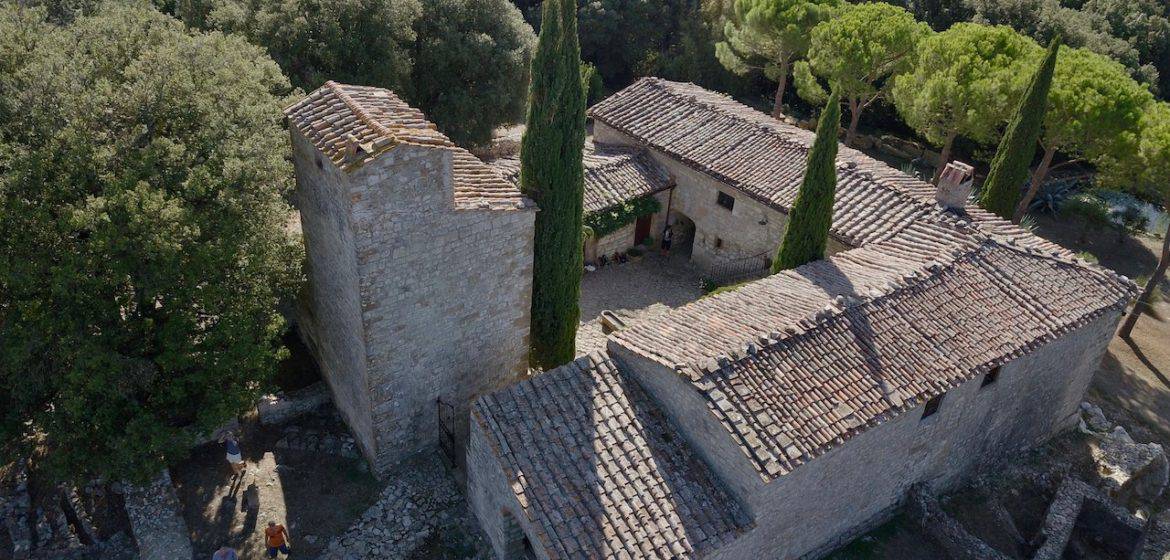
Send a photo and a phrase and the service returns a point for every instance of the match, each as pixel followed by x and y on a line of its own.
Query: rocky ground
pixel 421 514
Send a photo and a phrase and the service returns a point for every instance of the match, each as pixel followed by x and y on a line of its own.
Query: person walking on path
pixel 235 456
pixel 276 539
pixel 225 553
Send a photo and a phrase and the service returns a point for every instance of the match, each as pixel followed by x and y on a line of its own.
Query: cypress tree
pixel 1013 158
pixel 808 223
pixel 551 174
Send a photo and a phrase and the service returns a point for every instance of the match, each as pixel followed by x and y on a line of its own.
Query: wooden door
pixel 642 229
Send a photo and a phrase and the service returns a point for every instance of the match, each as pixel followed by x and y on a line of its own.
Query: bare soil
pixel 315 495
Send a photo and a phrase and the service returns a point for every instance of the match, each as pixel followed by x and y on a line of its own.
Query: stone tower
pixel 419 266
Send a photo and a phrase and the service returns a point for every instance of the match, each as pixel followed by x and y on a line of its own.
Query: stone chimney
pixel 954 186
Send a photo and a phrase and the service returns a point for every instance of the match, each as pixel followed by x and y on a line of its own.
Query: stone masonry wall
pixel 445 295
pixel 615 242
pixel 750 228
pixel 329 315
pixel 491 499
pixel 832 499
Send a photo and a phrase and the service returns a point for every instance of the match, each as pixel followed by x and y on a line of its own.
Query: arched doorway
pixel 682 230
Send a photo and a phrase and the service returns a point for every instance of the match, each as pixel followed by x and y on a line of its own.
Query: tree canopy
pixel 1014 156
pixel 1152 180
pixel 1094 113
pixel 143 247
pixel 807 233
pixel 552 174
pixel 470 66
pixel 769 35
pixel 965 83
pixel 857 52
pixel 463 62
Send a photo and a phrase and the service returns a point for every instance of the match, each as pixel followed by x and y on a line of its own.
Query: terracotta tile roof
pixel 353 125
pixel 598 470
pixel 613 174
pixel 765 159
pixel 801 361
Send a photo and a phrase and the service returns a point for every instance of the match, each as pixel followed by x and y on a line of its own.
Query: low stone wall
pixel 282 407
pixel 157 521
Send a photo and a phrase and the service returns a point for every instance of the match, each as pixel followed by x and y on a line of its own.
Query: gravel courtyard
pixel 632 291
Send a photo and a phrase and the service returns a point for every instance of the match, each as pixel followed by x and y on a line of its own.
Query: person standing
pixel 276 539
pixel 235 456
pixel 667 237
pixel 225 553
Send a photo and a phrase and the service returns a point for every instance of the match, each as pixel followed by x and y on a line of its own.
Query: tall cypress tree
pixel 808 224
pixel 552 175
pixel 1009 169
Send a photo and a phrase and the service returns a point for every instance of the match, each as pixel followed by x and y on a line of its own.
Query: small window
pixel 990 377
pixel 718 242
pixel 931 407
pixel 725 200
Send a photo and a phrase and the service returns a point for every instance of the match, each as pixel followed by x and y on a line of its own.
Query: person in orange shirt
pixel 276 539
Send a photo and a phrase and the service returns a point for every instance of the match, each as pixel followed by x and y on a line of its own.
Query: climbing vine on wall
pixel 605 222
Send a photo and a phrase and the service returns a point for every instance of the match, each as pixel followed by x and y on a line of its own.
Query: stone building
pixel 420 267
pixel 615 175
pixel 783 418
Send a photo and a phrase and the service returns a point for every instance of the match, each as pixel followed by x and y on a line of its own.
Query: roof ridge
pixel 837 306
pixel 360 111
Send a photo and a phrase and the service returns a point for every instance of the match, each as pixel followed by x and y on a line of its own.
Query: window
pixel 990 377
pixel 725 200
pixel 931 407
pixel 718 242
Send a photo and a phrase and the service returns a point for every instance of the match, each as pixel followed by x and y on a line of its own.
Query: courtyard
pixel 633 291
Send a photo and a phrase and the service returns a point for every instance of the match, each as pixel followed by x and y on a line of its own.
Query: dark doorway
pixel 682 234
pixel 642 229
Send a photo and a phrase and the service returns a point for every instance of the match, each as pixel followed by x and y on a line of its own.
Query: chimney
pixel 954 186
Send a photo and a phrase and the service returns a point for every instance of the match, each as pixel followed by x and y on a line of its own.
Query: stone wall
pixel 750 228
pixel 445 296
pixel 850 489
pixel 616 242
pixel 492 501
pixel 329 316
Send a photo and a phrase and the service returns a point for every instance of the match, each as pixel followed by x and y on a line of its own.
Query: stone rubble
pixel 157 520
pixel 421 502
pixel 1126 469
pixel 14 510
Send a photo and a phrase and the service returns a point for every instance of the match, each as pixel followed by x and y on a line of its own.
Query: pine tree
pixel 1009 169
pixel 808 223
pixel 551 174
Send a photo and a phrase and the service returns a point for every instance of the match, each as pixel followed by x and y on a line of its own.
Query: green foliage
pixel 1152 181
pixel 807 86
pixel 1094 110
pixel 464 63
pixel 1009 169
pixel 618 35
pixel 471 65
pixel 609 220
pixel 143 248
pixel 769 35
pixel 690 57
pixel 858 52
pixel 591 81
pixel 552 174
pixel 807 233
pixel 365 42
pixel 1133 32
pixel 710 288
pixel 965 82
